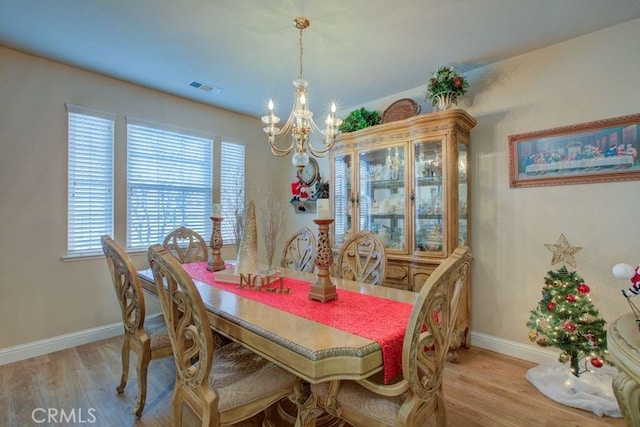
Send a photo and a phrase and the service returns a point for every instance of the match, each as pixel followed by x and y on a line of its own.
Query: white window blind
pixel 341 202
pixel 90 173
pixel 232 188
pixel 365 191
pixel 169 184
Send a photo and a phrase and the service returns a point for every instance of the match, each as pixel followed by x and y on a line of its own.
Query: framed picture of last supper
pixel 599 151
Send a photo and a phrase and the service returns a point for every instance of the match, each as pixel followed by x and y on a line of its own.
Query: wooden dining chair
pixel 299 252
pixel 221 386
pixel 186 245
pixel 411 400
pixel 146 336
pixel 362 258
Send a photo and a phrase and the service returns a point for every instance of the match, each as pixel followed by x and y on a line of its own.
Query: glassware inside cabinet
pixel 463 196
pixel 382 195
pixel 429 203
pixel 343 198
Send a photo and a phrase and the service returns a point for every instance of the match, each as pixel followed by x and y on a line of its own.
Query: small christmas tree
pixel 565 317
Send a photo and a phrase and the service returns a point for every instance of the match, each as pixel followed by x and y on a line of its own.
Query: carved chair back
pixel 410 400
pixel 146 337
pixel 225 385
pixel 127 287
pixel 186 245
pixel 431 326
pixel 186 319
pixel 299 252
pixel 362 258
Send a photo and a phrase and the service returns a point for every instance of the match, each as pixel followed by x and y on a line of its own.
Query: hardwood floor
pixel 483 389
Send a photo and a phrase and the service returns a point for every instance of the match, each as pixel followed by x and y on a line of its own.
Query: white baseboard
pixel 514 349
pixel 61 342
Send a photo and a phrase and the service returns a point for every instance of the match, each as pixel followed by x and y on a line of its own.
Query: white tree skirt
pixel 592 391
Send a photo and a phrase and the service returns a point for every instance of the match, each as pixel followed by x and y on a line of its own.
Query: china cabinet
pixel 408 182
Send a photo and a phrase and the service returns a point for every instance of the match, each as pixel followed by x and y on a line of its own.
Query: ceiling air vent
pixel 206 87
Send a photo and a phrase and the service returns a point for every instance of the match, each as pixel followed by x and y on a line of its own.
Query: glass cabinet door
pixel 463 195
pixel 429 202
pixel 382 197
pixel 343 197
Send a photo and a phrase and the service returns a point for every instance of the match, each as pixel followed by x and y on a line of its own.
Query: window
pixel 90 172
pixel 232 193
pixel 169 183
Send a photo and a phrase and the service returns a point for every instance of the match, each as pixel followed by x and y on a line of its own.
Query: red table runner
pixel 378 319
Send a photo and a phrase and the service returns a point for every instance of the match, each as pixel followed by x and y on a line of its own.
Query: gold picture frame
pixel 599 151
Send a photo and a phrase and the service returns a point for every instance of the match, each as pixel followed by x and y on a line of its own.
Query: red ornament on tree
pixel 569 326
pixel 583 289
pixel 597 363
pixel 571 298
pixel 551 306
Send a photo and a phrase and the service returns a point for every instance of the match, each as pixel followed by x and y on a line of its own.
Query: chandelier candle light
pixel 300 121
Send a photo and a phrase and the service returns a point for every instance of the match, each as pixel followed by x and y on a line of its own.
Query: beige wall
pixel 585 79
pixel 40 295
pixel 589 78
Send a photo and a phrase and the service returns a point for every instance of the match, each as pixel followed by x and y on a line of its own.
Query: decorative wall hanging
pixel 599 151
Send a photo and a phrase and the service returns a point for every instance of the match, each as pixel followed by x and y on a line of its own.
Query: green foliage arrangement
pixel 360 119
pixel 446 80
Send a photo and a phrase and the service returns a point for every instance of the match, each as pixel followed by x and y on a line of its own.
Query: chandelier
pixel 300 122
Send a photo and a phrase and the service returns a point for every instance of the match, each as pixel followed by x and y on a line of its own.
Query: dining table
pixel 355 336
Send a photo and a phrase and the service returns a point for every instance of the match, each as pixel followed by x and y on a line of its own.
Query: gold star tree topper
pixel 563 251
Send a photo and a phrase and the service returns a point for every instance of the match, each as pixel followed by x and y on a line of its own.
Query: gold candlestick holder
pixel 323 289
pixel 215 261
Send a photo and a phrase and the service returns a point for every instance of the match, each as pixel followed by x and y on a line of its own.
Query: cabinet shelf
pixel 427 216
pixel 420 216
pixel 387 216
pixel 390 184
pixel 431 181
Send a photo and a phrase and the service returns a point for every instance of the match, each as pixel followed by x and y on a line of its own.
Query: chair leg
pixel 143 364
pixel 441 412
pixel 177 404
pixel 209 414
pixel 207 419
pixel 125 365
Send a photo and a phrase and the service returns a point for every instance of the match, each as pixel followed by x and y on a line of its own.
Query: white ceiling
pixel 355 51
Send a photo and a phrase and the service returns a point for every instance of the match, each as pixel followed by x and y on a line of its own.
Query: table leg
pixel 285 412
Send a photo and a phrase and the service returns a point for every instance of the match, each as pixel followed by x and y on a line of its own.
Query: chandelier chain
pixel 300 74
